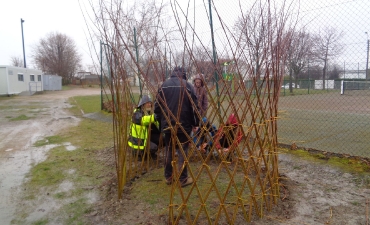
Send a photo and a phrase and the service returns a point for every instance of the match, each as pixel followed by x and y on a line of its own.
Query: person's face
pixel 148 106
pixel 198 83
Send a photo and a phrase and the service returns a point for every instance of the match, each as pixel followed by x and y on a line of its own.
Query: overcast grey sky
pixel 45 16
pixel 41 17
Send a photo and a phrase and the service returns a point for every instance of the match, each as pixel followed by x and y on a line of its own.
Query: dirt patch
pixel 312 192
pixel 111 210
pixel 46 114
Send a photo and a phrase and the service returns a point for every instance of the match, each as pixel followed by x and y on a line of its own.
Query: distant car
pixel 286 86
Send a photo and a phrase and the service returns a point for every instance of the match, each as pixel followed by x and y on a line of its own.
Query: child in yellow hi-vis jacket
pixel 142 123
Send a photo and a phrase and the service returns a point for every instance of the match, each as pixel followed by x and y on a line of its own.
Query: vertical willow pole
pixel 101 75
pixel 309 79
pixel 165 60
pixel 137 61
pixel 367 59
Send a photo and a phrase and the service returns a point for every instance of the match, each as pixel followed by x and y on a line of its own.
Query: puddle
pixel 12 173
pixel 71 171
pixel 41 211
pixel 17 153
pixel 65 186
pixel 99 116
pixel 91 197
pixel 69 147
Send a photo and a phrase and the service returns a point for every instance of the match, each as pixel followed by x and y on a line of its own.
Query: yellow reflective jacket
pixel 139 129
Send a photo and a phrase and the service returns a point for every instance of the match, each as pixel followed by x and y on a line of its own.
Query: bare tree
pixel 264 40
pixel 328 46
pixel 258 34
pixel 57 54
pixel 311 72
pixel 16 61
pixel 300 52
pixel 253 30
pixel 334 71
pixel 203 61
pixel 142 28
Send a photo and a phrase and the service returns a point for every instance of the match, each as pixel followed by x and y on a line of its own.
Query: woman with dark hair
pixel 201 93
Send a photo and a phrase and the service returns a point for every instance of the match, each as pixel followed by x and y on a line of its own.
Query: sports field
pixel 330 122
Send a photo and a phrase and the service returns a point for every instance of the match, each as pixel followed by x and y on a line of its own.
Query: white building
pixel 14 80
pixel 51 82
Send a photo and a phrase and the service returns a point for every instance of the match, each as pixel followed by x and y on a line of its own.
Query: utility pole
pixel 367 56
pixel 24 55
pixel 214 53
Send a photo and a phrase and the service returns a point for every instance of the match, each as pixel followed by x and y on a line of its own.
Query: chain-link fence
pixel 334 119
pixel 290 71
pixel 331 116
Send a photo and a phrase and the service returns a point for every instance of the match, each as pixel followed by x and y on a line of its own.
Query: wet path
pixel 48 113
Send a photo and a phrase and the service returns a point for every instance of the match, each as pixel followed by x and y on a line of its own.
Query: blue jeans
pixel 171 148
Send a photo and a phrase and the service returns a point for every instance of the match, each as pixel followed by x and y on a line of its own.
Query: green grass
pixel 135 96
pixel 152 189
pixel 92 103
pixel 65 87
pixel 302 91
pixel 20 117
pixel 41 222
pixel 4 97
pixel 49 140
pixel 31 106
pixel 359 168
pixel 89 137
pixel 330 122
pixel 350 165
pixel 88 104
pixel 60 195
pixel 356 203
pixel 76 211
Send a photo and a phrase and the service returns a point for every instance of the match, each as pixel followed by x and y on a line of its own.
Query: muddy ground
pixel 312 193
pixel 49 112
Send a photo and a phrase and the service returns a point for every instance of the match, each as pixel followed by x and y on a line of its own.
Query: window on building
pixel 32 77
pixel 38 77
pixel 20 77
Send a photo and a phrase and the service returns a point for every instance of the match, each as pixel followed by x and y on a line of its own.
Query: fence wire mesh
pixel 293 72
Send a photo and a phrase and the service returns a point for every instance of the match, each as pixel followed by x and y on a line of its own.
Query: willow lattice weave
pixel 243 80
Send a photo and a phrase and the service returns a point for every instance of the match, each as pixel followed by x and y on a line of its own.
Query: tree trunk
pixel 290 80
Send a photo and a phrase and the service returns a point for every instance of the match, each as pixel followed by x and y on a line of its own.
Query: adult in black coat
pixel 176 110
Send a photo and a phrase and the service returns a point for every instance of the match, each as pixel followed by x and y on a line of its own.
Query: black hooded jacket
pixel 177 95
